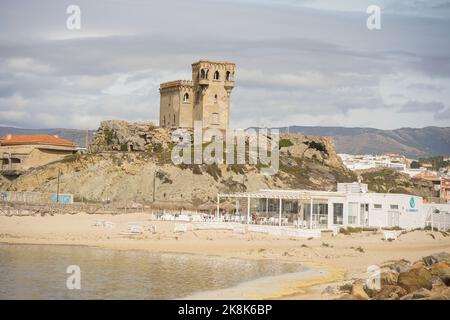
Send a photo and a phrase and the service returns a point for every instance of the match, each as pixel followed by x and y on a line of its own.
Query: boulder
pixel 331 290
pixel 390 292
pixel 418 294
pixel 358 291
pixel 437 257
pixel 442 270
pixel 418 265
pixel 388 277
pixel 441 291
pixel 436 281
pixel 346 287
pixel 415 279
pixel 348 296
pixel 371 291
pixel 398 266
pixel 429 260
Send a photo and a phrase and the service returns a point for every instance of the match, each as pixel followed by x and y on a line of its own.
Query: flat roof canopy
pixel 284 194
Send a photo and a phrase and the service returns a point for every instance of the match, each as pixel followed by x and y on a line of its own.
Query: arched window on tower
pixel 186 98
pixel 202 74
pixel 174 120
pixel 215 98
pixel 228 76
pixel 216 75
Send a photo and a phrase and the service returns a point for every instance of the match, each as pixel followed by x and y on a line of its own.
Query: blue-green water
pixel 39 272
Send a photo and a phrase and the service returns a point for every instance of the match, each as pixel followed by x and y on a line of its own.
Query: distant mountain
pixel 411 142
pixel 75 135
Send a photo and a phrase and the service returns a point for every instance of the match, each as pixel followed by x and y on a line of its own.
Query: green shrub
pixel 350 230
pixel 354 229
pixel 396 228
pixel 157 147
pixel 284 143
pixel 108 135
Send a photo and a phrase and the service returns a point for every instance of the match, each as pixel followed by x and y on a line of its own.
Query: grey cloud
pixel 417 106
pixel 291 60
pixel 425 86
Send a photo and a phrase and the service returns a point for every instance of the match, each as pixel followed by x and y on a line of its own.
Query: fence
pixel 35 197
pixel 437 216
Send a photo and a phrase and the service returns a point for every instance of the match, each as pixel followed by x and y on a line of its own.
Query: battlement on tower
pixel 176 83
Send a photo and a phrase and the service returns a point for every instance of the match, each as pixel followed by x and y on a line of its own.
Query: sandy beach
pixel 331 259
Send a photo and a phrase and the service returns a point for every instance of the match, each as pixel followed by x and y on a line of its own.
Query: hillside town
pixel 438 176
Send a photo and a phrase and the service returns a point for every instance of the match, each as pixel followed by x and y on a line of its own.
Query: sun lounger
pixel 133 229
pixel 104 224
pixel 99 223
pixel 180 228
pixel 391 235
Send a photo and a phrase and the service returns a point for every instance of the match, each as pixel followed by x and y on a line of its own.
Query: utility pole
pixel 57 187
pixel 154 185
pixel 244 179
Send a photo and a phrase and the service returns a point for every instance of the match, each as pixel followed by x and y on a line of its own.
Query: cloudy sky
pixel 299 62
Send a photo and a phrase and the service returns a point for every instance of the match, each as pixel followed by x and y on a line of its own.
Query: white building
pixel 391 161
pixel 368 161
pixel 351 205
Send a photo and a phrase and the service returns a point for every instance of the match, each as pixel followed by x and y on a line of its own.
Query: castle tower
pixel 206 98
pixel 175 107
pixel 212 84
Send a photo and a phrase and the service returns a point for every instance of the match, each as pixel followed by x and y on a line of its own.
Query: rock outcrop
pixel 119 135
pixel 320 149
pixel 427 279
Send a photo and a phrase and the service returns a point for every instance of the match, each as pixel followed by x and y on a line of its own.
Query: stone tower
pixel 206 98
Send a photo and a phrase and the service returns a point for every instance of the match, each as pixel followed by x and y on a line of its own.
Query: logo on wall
pixel 412 203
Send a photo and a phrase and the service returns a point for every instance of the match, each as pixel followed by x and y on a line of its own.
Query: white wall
pixel 408 217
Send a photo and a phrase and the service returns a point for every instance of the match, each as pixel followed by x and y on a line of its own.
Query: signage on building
pixel 412 205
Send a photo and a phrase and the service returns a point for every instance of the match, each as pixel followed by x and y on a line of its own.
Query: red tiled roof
pixel 35 139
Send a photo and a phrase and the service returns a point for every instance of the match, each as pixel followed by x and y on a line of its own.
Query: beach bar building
pixel 351 205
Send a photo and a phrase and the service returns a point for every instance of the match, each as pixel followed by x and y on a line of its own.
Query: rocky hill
pixel 132 162
pixel 411 142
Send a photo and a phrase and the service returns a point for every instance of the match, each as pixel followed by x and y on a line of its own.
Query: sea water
pixel 40 272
